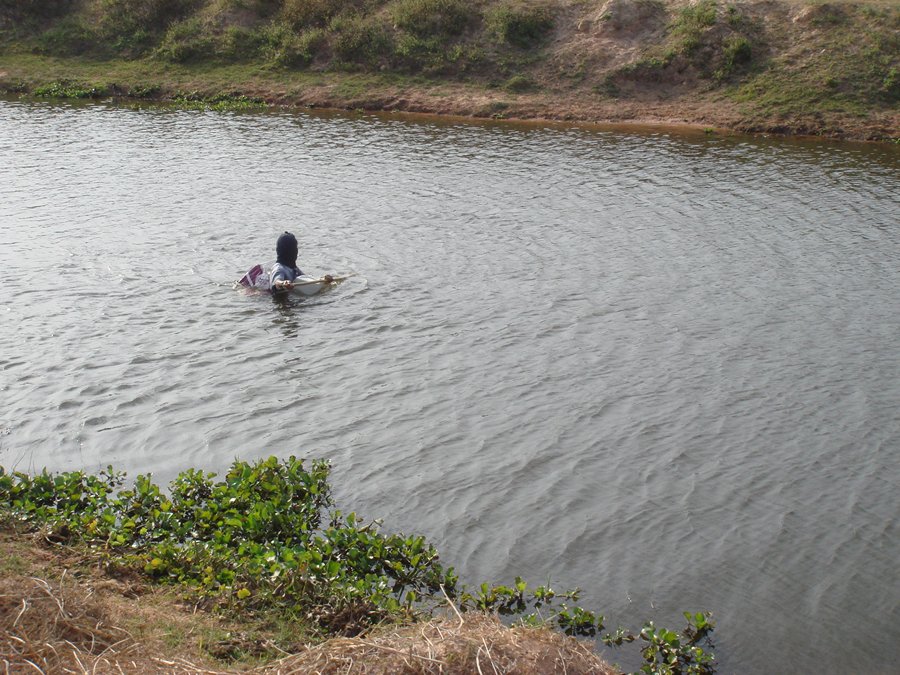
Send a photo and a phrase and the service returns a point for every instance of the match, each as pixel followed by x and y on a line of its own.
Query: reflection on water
pixel 660 367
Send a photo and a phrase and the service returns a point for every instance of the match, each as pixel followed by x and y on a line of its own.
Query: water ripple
pixel 662 368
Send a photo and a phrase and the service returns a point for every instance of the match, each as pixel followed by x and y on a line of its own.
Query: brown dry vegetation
pixel 63 612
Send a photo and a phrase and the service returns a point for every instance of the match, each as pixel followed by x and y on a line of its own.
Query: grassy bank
pixel 271 574
pixel 781 66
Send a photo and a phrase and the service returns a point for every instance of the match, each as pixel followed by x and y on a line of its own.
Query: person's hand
pixel 287 284
pixel 328 278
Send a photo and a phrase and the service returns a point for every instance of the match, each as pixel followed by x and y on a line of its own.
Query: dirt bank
pixel 776 66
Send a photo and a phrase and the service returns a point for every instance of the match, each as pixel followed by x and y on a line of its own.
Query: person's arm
pixel 279 282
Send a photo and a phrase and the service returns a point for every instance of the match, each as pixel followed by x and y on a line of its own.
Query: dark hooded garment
pixel 286 268
pixel 286 248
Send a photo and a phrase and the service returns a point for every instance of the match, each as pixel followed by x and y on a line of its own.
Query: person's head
pixel 286 248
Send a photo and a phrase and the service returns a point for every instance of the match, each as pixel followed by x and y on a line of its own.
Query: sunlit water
pixel 663 368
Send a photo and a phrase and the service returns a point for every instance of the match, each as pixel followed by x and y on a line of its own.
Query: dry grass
pixel 474 644
pixel 59 613
pixel 59 627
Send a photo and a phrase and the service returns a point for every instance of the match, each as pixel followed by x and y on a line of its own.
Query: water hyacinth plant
pixel 267 538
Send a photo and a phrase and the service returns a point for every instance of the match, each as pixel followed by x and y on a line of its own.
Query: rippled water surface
pixel 664 368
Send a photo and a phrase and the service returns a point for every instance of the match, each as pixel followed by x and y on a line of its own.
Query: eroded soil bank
pixel 777 66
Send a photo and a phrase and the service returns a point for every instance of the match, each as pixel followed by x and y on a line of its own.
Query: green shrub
pixel 133 27
pixel 829 15
pixel 34 9
pixel 432 55
pixel 417 52
pixel 153 16
pixel 301 13
pixel 697 17
pixel 360 40
pixel 68 37
pixel 308 13
pixel 735 18
pixel 309 44
pixel 691 23
pixel 890 86
pixel 186 41
pixel 434 18
pixel 736 53
pixel 521 25
pixel 284 48
pixel 519 83
pixel 240 44
pixel 276 40
pixel 645 69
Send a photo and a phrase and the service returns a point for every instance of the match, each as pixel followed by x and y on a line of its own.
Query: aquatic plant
pixel 266 538
pixel 68 89
pixel 220 102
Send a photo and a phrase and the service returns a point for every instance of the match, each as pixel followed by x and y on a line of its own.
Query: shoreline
pixel 235 87
pixel 264 551
pixel 782 67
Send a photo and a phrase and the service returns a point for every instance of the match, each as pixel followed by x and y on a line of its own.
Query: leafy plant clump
pixel 267 538
pixel 262 537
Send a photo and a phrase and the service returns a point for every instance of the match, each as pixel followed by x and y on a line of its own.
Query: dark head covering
pixel 286 248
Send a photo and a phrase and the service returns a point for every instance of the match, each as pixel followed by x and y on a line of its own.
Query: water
pixel 660 367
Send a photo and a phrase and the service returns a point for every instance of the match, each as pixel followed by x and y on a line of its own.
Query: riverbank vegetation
pixel 259 570
pixel 782 65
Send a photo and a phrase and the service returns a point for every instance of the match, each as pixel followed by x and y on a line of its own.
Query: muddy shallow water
pixel 660 367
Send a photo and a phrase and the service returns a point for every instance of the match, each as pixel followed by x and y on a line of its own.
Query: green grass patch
pixel 851 70
pixel 12 564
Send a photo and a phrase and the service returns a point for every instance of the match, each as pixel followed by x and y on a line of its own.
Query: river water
pixel 662 367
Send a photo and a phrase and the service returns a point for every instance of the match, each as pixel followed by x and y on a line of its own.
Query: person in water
pixel 285 271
